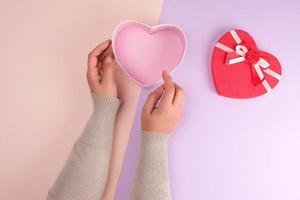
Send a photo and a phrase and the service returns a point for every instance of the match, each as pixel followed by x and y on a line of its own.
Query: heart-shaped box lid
pixel 240 69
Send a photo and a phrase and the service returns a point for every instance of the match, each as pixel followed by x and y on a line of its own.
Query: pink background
pixel 44 99
pixel 229 149
pixel 225 149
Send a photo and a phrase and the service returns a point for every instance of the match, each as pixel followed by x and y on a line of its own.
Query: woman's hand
pixel 100 73
pixel 163 108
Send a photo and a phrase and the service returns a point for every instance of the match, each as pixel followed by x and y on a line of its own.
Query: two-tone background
pixel 225 149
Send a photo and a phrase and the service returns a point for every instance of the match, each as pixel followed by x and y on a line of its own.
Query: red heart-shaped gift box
pixel 240 70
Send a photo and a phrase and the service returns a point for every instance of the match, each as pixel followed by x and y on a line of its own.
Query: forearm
pixel 84 173
pixel 152 179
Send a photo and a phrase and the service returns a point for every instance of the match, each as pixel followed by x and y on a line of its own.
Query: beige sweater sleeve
pixel 151 180
pixel 84 173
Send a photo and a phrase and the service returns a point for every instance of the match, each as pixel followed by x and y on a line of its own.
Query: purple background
pixel 228 149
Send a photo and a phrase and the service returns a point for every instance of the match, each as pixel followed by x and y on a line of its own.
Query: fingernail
pixel 108 59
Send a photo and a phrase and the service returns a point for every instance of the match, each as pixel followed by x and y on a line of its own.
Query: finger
pixel 93 57
pixel 105 53
pixel 169 90
pixel 107 68
pixel 179 96
pixel 99 69
pixel 152 99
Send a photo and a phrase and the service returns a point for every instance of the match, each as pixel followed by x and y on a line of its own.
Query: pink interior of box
pixel 143 52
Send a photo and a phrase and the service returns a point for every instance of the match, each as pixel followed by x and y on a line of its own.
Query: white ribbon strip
pixel 236 60
pixel 272 73
pixel 263 63
pixel 235 36
pixel 258 71
pixel 242 50
pixel 224 47
pixel 266 85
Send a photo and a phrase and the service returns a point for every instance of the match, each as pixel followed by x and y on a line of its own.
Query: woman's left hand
pixel 100 72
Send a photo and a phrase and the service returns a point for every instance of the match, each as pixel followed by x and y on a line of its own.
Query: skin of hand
pixel 163 108
pixel 100 73
pixel 106 77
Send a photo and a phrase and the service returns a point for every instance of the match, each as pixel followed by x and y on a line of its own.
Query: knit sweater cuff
pixel 154 139
pixel 105 104
pixel 99 129
pixel 153 158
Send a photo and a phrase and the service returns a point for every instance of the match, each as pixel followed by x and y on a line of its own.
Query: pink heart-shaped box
pixel 143 51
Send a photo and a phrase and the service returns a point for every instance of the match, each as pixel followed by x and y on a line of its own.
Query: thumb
pixel 153 99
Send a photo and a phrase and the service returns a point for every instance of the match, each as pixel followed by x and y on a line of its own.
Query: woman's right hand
pixel 163 108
